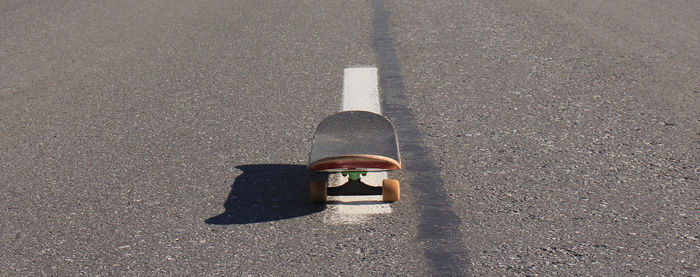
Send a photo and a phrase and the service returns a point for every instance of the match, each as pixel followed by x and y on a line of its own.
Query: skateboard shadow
pixel 267 192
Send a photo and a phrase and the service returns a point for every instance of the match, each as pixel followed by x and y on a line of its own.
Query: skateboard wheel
pixel 391 191
pixel 318 191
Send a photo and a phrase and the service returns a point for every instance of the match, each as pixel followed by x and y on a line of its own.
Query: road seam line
pixel 439 229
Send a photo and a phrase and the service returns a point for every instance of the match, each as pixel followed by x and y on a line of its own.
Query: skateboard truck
pixel 354 186
pixel 354 175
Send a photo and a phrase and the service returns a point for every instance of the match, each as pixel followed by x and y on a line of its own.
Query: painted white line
pixel 360 92
pixel 354 209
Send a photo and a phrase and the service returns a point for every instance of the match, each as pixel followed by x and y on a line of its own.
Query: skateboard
pixel 354 143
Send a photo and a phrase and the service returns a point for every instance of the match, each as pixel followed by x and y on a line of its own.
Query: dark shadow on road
pixel 267 192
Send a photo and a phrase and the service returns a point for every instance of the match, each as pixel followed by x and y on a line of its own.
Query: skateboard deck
pixel 354 141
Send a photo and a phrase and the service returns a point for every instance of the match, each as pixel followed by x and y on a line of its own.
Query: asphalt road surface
pixel 171 137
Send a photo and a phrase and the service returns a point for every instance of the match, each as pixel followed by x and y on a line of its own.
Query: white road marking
pixel 360 92
pixel 354 209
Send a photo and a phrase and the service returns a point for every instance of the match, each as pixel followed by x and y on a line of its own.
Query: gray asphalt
pixel 170 137
pixel 568 133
